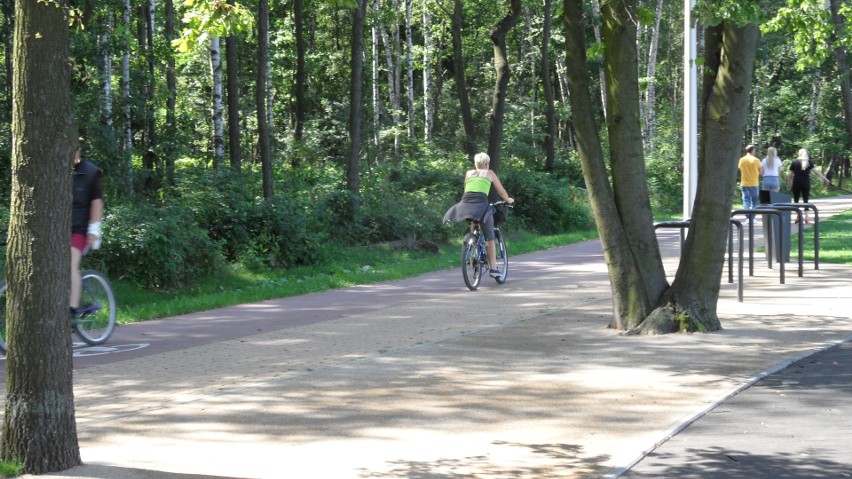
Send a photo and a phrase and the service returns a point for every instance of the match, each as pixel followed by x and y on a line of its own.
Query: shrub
pixel 547 205
pixel 155 248
pixel 280 234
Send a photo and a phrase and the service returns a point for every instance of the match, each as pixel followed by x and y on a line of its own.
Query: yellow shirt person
pixel 749 166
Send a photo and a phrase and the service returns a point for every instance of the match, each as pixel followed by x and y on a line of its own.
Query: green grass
pixel 360 265
pixel 10 469
pixel 835 240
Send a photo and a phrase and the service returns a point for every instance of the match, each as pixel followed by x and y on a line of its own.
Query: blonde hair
pixel 803 154
pixel 771 156
pixel 481 160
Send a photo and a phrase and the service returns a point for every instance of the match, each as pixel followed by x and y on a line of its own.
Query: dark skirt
pixel 473 206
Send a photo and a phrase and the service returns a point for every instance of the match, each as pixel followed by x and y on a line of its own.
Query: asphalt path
pixel 224 324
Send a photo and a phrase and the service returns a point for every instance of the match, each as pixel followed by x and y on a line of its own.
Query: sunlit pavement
pixel 522 380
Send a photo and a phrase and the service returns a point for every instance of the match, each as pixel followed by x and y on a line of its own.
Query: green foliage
pixel 156 247
pixel 547 205
pixel 212 18
pixel 740 12
pixel 10 469
pixel 811 28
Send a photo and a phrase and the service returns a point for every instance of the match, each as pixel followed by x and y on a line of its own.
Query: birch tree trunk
pixel 596 16
pixel 392 60
pixel 261 97
pixel 650 116
pixel 428 66
pixel 549 107
pixel 812 114
pixel 171 88
pixel 125 95
pixel 377 102
pixel 409 56
pixel 217 110
pixel 301 73
pixel 106 76
pixel 39 425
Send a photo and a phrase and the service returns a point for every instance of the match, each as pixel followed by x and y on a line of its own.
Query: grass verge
pixel 835 240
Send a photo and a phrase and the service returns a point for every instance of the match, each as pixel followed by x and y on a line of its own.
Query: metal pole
pixel 690 111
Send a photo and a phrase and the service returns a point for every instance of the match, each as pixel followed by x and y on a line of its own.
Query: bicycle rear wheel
pixel 471 270
pixel 95 319
pixel 3 316
pixel 502 256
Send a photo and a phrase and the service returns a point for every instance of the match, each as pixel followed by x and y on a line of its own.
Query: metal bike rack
pixel 779 241
pixel 806 206
pixel 682 225
pixel 750 216
pixel 739 226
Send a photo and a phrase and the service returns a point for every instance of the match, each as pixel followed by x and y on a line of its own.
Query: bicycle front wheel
pixel 502 256
pixel 95 319
pixel 3 316
pixel 471 270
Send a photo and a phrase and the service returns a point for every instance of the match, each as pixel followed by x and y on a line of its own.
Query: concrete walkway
pixel 522 380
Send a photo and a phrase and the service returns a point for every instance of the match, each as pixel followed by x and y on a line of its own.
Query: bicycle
pixel 94 320
pixel 474 258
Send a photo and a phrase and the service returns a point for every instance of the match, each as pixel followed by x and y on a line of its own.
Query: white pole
pixel 690 111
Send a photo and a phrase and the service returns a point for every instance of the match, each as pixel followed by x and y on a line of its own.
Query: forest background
pixel 244 151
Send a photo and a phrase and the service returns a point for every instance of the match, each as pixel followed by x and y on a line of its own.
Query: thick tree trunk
pixel 627 160
pixel 233 81
pixel 356 109
pixel 217 111
pixel 549 107
pixel 261 94
pixel 461 85
pixel 690 304
pixel 630 295
pixel 501 84
pixel 39 429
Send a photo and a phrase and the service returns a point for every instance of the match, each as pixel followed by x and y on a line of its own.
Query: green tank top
pixel 477 184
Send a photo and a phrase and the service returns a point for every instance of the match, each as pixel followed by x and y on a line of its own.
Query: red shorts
pixel 79 242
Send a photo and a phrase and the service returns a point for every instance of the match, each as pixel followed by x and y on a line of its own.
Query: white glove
pixel 95 230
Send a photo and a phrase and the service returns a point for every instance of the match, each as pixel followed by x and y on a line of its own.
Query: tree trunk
pixel 171 89
pixel 428 65
pixel 629 303
pixel 409 55
pixel 690 303
pixel 106 76
pixel 298 18
pixel 812 114
pixel 627 159
pixel 392 60
pixel 39 429
pixel 217 111
pixel 150 139
pixel 232 61
pixel 8 13
pixel 501 84
pixel 842 66
pixel 377 102
pixel 650 123
pixel 461 86
pixel 260 98
pixel 125 97
pixel 353 160
pixel 549 107
pixel 596 15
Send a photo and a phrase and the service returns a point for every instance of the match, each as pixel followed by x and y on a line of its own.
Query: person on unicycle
pixel 86 214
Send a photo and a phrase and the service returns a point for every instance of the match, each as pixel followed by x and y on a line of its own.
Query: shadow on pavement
pixel 96 471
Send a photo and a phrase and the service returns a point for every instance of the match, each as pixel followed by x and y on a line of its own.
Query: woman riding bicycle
pixel 474 204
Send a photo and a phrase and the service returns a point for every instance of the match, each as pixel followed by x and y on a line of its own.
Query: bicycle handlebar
pixel 503 203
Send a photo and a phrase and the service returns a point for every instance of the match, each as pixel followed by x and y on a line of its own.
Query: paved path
pixel 522 380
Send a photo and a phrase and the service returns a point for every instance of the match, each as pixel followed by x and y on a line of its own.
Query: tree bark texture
pixel 261 97
pixel 547 84
pixel 217 110
pixel 377 101
pixel 409 56
pixel 501 84
pixel 232 63
pixel 461 85
pixel 842 66
pixel 690 303
pixel 627 159
pixel 356 109
pixel 628 293
pixel 39 429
